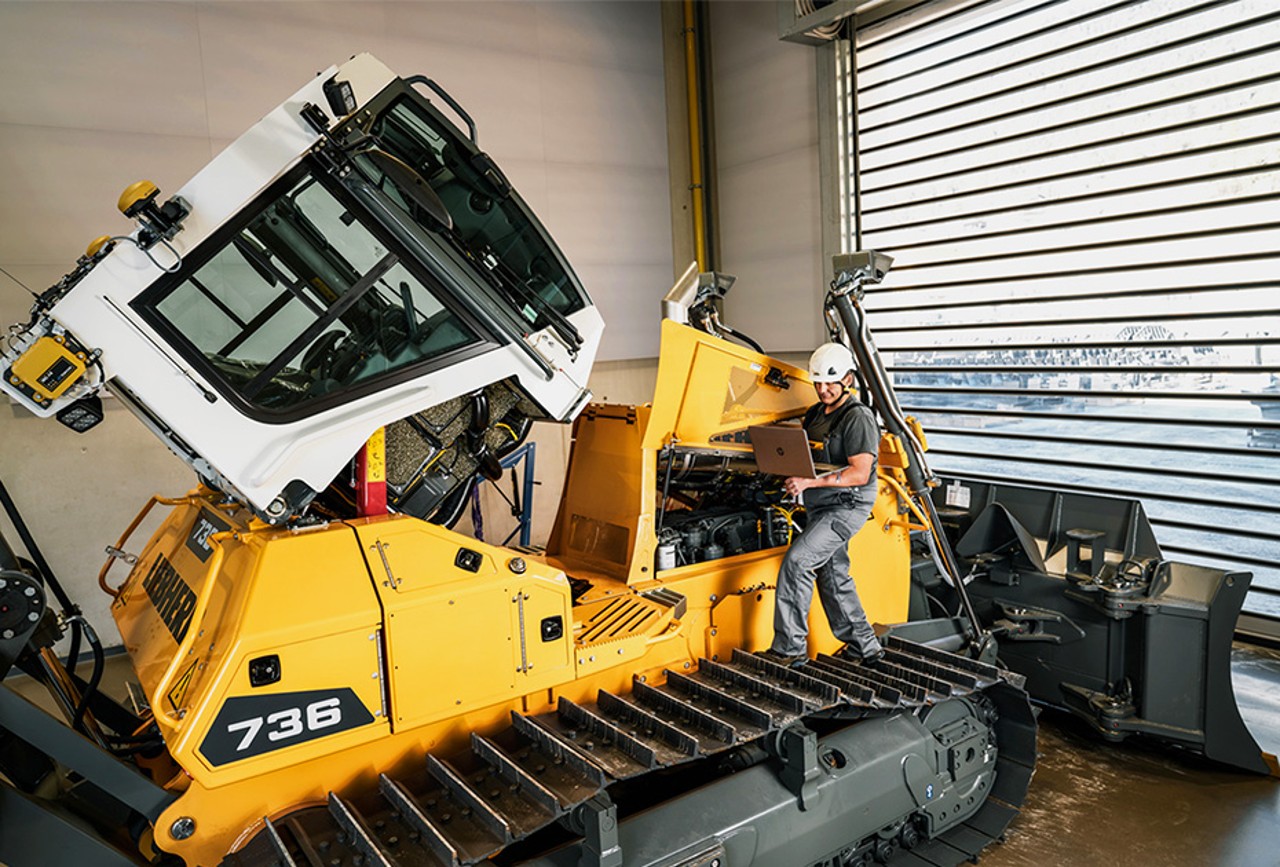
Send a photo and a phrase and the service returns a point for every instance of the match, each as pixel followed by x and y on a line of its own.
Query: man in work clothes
pixel 837 504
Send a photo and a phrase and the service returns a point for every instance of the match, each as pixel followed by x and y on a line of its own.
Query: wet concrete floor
pixel 1094 803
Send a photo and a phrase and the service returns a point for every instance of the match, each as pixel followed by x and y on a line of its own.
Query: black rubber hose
pixel 99 663
pixel 46 573
pixel 73 654
pixel 451 509
pixel 743 338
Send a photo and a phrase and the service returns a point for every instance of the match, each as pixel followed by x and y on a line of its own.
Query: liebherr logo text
pixel 173 599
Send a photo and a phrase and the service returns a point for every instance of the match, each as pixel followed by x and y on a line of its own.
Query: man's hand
pixel 857 473
pixel 795 484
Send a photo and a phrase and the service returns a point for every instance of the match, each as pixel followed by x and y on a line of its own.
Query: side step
pixel 463 809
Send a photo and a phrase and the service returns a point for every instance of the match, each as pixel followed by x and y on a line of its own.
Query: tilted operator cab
pixel 322 278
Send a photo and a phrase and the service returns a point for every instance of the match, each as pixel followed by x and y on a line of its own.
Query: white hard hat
pixel 830 362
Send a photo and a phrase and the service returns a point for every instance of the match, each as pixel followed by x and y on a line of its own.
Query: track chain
pixel 463 809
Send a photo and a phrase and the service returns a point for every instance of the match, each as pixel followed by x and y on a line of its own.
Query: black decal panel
pixel 206 524
pixel 249 726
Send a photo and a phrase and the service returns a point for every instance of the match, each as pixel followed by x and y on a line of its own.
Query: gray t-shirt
pixel 849 430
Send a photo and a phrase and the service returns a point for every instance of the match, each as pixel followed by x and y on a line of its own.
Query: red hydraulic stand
pixel 371 476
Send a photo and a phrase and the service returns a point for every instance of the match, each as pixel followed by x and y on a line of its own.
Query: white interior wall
pixel 766 139
pixel 568 97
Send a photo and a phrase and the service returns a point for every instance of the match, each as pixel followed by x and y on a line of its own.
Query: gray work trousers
pixel 821 552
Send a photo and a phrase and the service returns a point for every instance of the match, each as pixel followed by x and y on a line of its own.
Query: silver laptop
pixel 782 450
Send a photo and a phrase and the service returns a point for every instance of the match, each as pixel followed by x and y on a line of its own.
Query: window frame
pixel 146 306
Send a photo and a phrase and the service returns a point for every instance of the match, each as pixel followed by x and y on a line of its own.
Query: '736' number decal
pixel 289 722
pixel 252 725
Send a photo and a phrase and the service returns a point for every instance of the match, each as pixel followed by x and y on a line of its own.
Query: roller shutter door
pixel 1081 198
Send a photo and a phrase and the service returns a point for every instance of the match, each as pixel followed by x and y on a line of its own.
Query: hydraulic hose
pixel 28 541
pixel 854 319
pixel 95 679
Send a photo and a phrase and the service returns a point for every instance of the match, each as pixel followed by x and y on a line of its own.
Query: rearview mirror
pixel 411 184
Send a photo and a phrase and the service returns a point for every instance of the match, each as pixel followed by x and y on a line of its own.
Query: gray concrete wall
pixel 766 125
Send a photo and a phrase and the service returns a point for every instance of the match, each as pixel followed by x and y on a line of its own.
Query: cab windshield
pixel 302 301
pixel 490 223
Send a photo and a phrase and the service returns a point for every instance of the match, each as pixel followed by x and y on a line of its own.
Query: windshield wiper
pixel 557 320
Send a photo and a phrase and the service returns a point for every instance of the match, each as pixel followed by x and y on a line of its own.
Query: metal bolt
pixel 33 617
pixel 182 828
pixel 8 633
pixel 29 591
pixel 619 651
pixel 516 565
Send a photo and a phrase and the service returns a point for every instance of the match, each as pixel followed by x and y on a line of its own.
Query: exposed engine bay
pixel 718 506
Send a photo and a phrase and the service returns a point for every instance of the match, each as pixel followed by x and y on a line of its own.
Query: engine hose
pixel 24 533
pixel 666 487
pixel 73 654
pixel 99 664
pixel 742 337
pixel 479 413
pixel 519 430
pixel 766 531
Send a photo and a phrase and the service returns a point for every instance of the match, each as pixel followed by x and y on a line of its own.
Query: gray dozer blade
pixel 1084 605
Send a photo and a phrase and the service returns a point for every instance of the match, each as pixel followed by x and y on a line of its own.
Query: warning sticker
pixel 178 691
pixel 958 495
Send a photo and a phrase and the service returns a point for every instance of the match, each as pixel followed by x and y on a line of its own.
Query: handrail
pixel 119 546
pixel 197 617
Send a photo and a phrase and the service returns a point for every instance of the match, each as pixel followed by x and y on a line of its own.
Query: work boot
pixel 782 659
pixel 849 653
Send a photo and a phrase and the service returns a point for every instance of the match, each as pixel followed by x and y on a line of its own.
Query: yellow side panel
pixel 456 638
pixel 449 652
pixel 741 620
pixel 304 598
pixel 543 612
